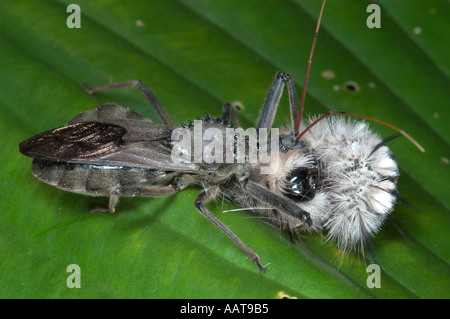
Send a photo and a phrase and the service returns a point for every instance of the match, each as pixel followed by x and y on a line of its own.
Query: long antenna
pixel 302 103
pixel 364 117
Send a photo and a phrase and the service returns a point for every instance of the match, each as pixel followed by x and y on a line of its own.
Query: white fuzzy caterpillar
pixel 352 179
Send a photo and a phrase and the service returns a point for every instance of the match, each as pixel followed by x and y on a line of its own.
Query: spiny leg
pixel 144 89
pixel 205 196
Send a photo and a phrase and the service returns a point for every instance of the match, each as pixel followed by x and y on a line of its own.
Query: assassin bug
pixel 331 174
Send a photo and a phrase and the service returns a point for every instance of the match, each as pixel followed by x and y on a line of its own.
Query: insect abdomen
pixel 92 179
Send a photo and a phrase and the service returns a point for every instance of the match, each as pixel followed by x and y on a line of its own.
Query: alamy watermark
pixel 74 279
pixel 373 276
pixel 374 19
pixel 74 18
pixel 226 145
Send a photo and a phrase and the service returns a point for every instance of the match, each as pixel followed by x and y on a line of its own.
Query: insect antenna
pixel 400 230
pixel 302 103
pixel 384 142
pixel 407 203
pixel 366 118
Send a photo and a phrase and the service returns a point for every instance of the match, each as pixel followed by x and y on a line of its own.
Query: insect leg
pixel 293 101
pixel 273 99
pixel 152 191
pixel 181 182
pixel 205 196
pixel 148 191
pixel 228 111
pixel 113 201
pixel 277 202
pixel 144 89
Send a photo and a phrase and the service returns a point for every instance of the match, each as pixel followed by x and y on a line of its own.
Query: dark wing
pixel 75 141
pixel 109 135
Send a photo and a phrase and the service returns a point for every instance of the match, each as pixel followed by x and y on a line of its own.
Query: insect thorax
pixel 217 147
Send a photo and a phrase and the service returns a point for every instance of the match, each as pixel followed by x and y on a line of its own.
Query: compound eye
pixel 300 184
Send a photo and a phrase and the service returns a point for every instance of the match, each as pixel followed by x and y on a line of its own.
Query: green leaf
pixel 195 55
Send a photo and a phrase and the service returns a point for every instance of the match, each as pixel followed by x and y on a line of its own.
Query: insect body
pixel 112 151
pixel 339 176
pixel 329 174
